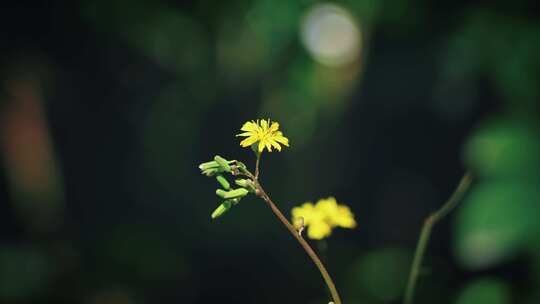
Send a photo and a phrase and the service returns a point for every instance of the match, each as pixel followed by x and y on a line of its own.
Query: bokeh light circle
pixel 331 35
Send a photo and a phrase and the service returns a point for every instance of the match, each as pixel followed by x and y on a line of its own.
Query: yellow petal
pixel 278 136
pixel 268 145
pixel 275 144
pixel 274 127
pixel 250 126
pixel 249 141
pixel 345 218
pixel 319 230
pixel 305 211
pixel 261 146
pixel 328 206
pixel 250 133
pixel 307 206
pixel 264 125
pixel 336 214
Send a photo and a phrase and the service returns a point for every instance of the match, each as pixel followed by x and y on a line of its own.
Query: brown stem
pixel 326 276
pixel 259 191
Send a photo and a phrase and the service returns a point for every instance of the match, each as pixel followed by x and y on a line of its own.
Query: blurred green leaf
pixel 485 291
pixel 504 149
pixel 367 10
pixel 380 274
pixel 501 46
pixel 495 222
pixel 262 19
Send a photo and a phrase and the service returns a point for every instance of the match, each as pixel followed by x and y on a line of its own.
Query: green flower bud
pixel 223 182
pixel 236 193
pixel 208 165
pixel 223 163
pixel 224 207
pixel 212 168
pixel 240 165
pixel 221 193
pixel 246 183
pixel 211 171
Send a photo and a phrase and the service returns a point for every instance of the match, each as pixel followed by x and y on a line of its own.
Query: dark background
pixel 108 107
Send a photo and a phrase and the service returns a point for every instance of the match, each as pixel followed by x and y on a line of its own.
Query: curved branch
pixel 425 234
pixel 326 276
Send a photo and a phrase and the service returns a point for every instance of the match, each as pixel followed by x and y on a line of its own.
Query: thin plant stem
pixel 425 234
pixel 257 165
pixel 326 276
pixel 259 191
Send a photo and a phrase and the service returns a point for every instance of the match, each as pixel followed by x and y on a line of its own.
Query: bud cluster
pixel 230 196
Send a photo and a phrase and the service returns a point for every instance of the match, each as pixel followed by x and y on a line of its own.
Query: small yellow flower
pixel 322 217
pixel 337 215
pixel 309 216
pixel 265 133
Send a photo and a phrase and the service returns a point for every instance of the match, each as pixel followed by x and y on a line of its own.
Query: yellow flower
pixel 309 216
pixel 265 133
pixel 322 217
pixel 337 215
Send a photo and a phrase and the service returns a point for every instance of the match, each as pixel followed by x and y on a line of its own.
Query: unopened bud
pixel 224 207
pixel 208 165
pixel 211 171
pixel 240 192
pixel 223 163
pixel 223 182
pixel 245 183
pixel 214 167
pixel 241 165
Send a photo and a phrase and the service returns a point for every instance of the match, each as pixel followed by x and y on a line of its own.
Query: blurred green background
pixel 107 108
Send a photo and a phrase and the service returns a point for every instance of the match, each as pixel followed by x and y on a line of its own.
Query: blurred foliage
pixel 496 221
pixel 505 149
pixel 379 276
pixel 502 46
pixel 484 291
pixel 139 92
